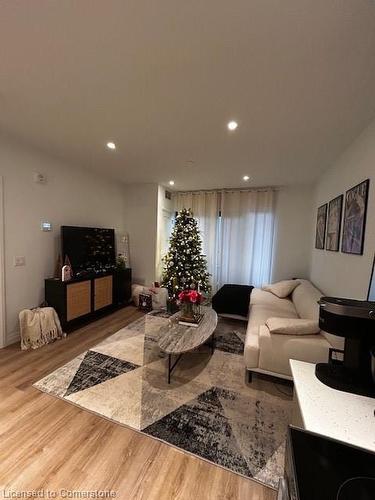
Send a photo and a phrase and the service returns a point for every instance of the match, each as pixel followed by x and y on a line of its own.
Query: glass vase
pixel 188 310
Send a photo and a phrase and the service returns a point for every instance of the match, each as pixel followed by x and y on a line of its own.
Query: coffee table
pixel 176 340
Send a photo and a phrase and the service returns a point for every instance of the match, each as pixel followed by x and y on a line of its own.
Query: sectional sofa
pixel 269 353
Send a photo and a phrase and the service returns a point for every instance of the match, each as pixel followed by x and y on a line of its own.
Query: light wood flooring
pixel 48 444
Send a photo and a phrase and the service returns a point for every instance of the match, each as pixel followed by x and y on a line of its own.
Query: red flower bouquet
pixel 190 297
pixel 190 301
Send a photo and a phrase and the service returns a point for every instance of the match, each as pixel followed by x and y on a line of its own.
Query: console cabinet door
pixel 103 292
pixel 78 299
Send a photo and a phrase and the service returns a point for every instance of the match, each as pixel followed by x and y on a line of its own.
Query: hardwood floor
pixel 48 444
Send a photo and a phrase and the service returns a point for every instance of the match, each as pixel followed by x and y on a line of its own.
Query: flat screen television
pixel 89 249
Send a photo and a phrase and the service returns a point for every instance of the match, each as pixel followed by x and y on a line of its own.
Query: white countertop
pixel 336 414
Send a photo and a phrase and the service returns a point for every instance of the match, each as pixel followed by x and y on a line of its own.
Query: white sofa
pixel 270 353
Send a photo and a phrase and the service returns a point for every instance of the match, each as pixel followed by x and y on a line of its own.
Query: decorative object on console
pixel 68 263
pixel 321 222
pixel 281 289
pixel 334 223
pixel 125 249
pixel 353 235
pixel 120 262
pixel 145 302
pixel 66 273
pixel 184 263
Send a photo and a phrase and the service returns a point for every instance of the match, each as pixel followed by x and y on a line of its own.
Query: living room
pixel 243 132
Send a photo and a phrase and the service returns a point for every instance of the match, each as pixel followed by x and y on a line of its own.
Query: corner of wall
pixel 292 232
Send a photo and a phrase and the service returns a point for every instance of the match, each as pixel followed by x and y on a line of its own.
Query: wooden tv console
pixel 86 298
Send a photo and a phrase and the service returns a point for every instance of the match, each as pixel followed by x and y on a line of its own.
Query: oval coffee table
pixel 176 340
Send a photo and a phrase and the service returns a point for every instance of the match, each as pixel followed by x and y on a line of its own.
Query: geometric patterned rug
pixel 208 409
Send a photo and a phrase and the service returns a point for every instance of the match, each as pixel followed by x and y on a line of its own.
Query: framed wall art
pixel 321 222
pixel 334 223
pixel 353 235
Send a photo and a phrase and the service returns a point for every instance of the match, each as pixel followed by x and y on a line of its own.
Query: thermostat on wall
pixel 40 178
pixel 45 226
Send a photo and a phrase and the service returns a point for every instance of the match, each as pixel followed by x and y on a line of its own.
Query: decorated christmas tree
pixel 184 264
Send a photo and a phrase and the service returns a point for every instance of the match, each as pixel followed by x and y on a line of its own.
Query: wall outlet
pixel 19 261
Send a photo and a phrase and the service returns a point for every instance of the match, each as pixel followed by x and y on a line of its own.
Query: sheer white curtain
pixel 205 207
pixel 239 244
pixel 247 229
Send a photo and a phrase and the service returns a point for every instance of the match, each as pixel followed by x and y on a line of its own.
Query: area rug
pixel 208 409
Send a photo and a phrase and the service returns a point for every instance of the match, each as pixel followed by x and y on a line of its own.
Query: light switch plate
pixel 19 261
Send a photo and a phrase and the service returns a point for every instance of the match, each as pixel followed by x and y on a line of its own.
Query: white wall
pixel 165 218
pixel 141 213
pixel 71 196
pixel 292 244
pixel 336 273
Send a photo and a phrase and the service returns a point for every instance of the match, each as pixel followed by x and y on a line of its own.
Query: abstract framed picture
pixel 334 224
pixel 321 222
pixel 353 235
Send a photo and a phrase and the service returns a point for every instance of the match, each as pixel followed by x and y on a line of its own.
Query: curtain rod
pixel 230 190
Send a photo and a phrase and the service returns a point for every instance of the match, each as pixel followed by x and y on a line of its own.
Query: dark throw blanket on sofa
pixel 232 299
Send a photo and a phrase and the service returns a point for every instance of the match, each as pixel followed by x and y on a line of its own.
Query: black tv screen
pixel 89 248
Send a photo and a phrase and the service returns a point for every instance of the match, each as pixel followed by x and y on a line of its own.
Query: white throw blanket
pixel 39 327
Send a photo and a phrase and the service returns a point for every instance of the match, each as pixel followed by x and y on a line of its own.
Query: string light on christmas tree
pixel 184 264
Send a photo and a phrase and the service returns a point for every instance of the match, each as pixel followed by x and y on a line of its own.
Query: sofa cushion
pixel 292 326
pixel 263 298
pixel 260 314
pixel 305 299
pixel 282 289
pixel 275 351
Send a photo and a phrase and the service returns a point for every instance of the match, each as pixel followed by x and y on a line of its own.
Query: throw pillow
pixel 292 326
pixel 282 289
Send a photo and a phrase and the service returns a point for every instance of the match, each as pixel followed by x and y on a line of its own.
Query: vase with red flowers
pixel 190 305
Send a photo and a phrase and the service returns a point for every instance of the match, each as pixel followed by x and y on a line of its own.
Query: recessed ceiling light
pixel 171 183
pixel 245 177
pixel 232 125
pixel 111 145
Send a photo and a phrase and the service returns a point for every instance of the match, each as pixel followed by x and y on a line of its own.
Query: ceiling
pixel 162 78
